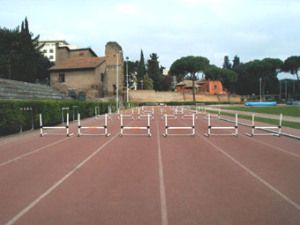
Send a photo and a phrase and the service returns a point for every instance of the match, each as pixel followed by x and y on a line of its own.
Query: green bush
pixel 12 118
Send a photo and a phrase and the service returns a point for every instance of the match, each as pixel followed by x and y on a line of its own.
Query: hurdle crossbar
pixel 43 128
pixel 104 127
pixel 210 128
pixel 271 130
pixel 167 127
pixel 147 128
pixel 189 116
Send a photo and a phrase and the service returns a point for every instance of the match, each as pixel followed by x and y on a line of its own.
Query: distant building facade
pixel 48 48
pixel 81 70
pixel 213 87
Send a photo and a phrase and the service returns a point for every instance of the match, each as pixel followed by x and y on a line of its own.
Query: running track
pixel 140 180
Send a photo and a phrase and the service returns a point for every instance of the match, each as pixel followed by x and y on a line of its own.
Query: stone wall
pixel 152 96
pixel 114 61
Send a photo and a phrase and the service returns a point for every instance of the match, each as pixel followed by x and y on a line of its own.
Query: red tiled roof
pixel 79 63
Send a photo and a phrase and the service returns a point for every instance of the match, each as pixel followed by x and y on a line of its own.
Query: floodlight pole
pixel 127 80
pixel 260 89
pixel 117 83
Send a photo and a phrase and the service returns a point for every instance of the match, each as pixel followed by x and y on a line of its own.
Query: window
pixel 51 57
pixel 45 51
pixel 102 77
pixel 51 51
pixel 61 77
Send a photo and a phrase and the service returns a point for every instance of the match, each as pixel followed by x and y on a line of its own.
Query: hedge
pixel 14 114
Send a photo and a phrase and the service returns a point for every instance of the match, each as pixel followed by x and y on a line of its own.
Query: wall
pixel 113 53
pixel 152 96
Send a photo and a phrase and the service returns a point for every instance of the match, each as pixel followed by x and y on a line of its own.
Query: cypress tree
pixel 141 68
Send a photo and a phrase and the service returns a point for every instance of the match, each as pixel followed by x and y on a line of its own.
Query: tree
pixel 20 58
pixel 141 67
pixel 189 66
pixel 148 83
pixel 226 76
pixel 226 64
pixel 292 65
pixel 166 83
pixel 250 73
pixel 236 62
pixel 154 71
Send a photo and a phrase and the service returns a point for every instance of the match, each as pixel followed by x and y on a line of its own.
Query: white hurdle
pixel 167 127
pixel 104 127
pixel 43 128
pixel 147 128
pixel 210 127
pixel 275 130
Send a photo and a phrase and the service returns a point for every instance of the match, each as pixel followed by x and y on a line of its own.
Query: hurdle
pixel 104 127
pixel 147 128
pixel 210 128
pixel 179 110
pixel 189 116
pixel 42 128
pixel 275 130
pixel 167 127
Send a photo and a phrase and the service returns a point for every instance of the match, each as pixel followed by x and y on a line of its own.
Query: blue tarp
pixel 261 103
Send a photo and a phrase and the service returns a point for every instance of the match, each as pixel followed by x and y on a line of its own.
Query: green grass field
pixel 285 110
pixel 276 110
pixel 265 120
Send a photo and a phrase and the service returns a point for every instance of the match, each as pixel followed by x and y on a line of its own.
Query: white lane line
pixel 162 190
pixel 272 146
pixel 33 152
pixel 57 184
pixel 268 185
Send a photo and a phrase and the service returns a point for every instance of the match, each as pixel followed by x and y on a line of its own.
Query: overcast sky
pixel 251 29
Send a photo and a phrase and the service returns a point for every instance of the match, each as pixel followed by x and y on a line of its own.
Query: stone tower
pixel 114 67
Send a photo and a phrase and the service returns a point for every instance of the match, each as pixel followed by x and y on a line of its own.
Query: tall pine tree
pixel 20 58
pixel 141 68
pixel 154 71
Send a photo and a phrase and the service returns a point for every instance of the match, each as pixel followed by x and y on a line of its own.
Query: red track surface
pixel 135 180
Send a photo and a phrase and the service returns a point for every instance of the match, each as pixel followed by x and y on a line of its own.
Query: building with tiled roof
pixel 213 87
pixel 81 70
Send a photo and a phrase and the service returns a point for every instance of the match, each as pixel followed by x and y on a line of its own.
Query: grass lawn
pixel 285 110
pixel 265 120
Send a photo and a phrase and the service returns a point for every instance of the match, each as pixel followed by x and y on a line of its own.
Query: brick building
pixel 81 70
pixel 213 87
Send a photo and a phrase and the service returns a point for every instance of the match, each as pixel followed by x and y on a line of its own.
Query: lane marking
pixel 249 171
pixel 272 146
pixel 162 190
pixel 57 184
pixel 33 152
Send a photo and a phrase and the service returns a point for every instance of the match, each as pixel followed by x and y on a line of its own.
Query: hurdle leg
pixel 280 124
pixel 236 125
pixel 41 126
pixel 166 125
pixel 79 125
pixel 208 126
pixel 148 125
pixel 193 124
pixel 105 127
pixel 122 126
pixel 67 126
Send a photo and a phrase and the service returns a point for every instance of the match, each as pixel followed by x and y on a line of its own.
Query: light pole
pixel 117 81
pixel 260 89
pixel 127 80
pixel 286 91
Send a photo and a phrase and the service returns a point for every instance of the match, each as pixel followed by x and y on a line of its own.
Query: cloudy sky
pixel 251 29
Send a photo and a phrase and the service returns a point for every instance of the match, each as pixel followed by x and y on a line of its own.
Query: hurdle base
pixel 233 134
